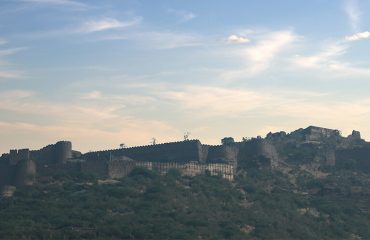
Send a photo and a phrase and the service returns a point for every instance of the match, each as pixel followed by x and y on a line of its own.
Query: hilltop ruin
pixel 313 147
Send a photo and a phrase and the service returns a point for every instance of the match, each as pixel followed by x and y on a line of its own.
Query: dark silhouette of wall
pixel 19 166
pixel 222 154
pixel 63 151
pixel 120 167
pixel 184 151
pixel 6 172
pixel 95 166
pixel 25 173
pixel 16 156
pixel 54 153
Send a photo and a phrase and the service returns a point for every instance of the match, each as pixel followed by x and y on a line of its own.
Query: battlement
pixel 181 154
pixel 16 156
pixel 59 152
pixel 181 151
pixel 144 147
pixel 121 167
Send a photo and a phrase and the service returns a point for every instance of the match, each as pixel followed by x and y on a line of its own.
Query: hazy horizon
pixel 101 73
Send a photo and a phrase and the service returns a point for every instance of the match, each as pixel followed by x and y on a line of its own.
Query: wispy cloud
pixel 294 106
pixel 5 72
pixel 183 15
pixel 17 94
pixel 171 40
pixel 217 100
pixel 2 41
pixel 324 59
pixel 328 59
pixel 160 40
pixel 358 36
pixel 92 95
pixel 237 39
pixel 353 13
pixel 258 57
pixel 10 74
pixel 11 51
pixel 68 3
pixel 107 24
pixel 90 26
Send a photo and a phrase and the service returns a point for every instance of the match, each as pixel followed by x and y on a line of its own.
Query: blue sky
pixel 105 72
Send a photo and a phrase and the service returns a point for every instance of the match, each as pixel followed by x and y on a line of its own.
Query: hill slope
pixel 260 204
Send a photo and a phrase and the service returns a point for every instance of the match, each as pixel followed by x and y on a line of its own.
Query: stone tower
pixel 63 151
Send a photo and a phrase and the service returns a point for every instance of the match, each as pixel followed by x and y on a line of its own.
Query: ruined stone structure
pixel 190 157
pixel 312 146
pixel 21 167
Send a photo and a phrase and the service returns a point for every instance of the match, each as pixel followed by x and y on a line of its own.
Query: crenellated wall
pixel 19 167
pixel 54 153
pixel 183 151
pixel 227 154
pixel 121 167
pixel 16 156
pixel 190 157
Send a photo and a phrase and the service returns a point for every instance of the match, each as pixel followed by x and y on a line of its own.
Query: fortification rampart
pixel 54 153
pixel 16 156
pixel 191 168
pixel 167 152
pixel 6 173
pixel 118 168
pixel 180 152
pixel 227 154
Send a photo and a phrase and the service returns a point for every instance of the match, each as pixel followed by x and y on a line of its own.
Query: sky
pixel 104 72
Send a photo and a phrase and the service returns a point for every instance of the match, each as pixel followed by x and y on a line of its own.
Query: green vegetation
pixel 260 204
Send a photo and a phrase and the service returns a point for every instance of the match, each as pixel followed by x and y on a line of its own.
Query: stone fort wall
pixel 118 168
pixel 191 157
pixel 19 167
pixel 54 153
pixel 180 152
pixel 183 151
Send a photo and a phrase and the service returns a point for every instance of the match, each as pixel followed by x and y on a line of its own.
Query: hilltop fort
pixel 312 148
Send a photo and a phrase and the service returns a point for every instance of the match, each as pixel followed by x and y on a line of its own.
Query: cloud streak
pixel 10 74
pixel 68 3
pixel 6 73
pixel 218 101
pixel 107 24
pixel 259 57
pixel 353 13
pixel 328 60
pixel 160 40
pixel 358 36
pixel 11 51
pixel 237 39
pixel 184 16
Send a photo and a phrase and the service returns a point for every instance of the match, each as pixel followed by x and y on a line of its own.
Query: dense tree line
pixel 259 204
